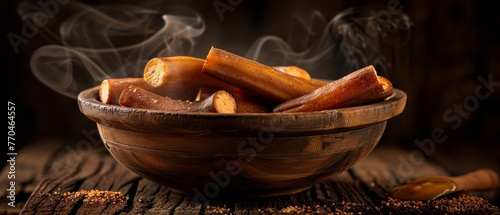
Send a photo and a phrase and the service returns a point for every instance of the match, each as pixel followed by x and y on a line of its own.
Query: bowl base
pixel 242 194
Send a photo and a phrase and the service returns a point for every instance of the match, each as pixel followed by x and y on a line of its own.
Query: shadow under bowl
pixel 239 155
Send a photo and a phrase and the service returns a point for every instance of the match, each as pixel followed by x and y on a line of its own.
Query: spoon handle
pixel 481 179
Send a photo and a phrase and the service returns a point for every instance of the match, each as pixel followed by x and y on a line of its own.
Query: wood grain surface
pixel 50 175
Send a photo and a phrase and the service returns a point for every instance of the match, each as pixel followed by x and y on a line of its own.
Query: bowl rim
pixel 349 117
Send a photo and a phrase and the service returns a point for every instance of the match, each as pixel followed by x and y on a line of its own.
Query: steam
pixel 91 44
pixel 354 38
pixel 111 41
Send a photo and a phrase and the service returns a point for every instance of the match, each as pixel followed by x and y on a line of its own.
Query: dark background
pixel 451 44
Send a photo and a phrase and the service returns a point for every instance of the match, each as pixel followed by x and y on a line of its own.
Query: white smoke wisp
pixel 90 44
pixel 108 41
pixel 354 38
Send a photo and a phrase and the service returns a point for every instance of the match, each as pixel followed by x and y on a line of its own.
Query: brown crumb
pixel 94 196
pixel 344 208
pixel 464 204
pixel 210 209
pixel 459 204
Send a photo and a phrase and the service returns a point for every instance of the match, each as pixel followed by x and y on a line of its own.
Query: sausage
pixel 244 103
pixel 111 88
pixel 359 87
pixel 254 77
pixel 181 76
pixel 218 102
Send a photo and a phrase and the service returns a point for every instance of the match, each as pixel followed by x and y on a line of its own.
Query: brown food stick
pixel 298 72
pixel 318 83
pixel 111 88
pixel 294 71
pixel 254 77
pixel 359 87
pixel 219 102
pixel 244 103
pixel 182 76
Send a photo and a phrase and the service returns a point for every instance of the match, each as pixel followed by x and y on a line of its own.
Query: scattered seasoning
pixel 296 209
pixel 341 208
pixel 461 204
pixel 217 210
pixel 94 196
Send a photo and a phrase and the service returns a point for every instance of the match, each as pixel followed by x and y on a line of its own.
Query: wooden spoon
pixel 430 188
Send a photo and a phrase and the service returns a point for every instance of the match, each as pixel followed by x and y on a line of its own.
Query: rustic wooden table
pixel 52 177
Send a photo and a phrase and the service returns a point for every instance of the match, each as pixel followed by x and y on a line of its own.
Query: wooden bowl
pixel 245 155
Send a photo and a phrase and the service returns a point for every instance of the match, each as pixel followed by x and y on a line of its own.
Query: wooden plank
pixel 29 171
pixel 363 189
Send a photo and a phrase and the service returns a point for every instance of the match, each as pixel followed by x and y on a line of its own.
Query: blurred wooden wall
pixel 451 44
